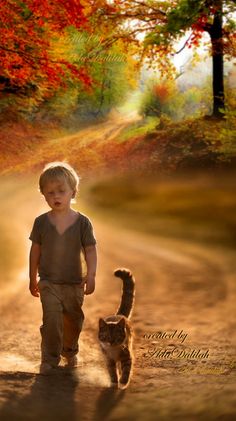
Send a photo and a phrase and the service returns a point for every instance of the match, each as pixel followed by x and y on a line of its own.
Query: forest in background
pixel 67 65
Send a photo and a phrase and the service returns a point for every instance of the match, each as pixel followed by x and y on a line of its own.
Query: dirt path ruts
pixel 85 148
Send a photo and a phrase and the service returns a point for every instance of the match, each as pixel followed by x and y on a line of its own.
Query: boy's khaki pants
pixel 62 320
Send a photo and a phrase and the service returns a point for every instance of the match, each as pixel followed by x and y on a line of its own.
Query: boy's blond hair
pixel 58 171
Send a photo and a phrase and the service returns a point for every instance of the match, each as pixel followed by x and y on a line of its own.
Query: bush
pixel 228 133
pixel 159 98
pixel 165 97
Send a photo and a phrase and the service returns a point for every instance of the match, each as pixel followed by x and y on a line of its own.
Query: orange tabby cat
pixel 115 334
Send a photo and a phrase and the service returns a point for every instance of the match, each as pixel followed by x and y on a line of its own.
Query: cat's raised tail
pixel 127 299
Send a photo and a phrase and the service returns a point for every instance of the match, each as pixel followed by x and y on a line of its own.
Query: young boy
pixel 58 239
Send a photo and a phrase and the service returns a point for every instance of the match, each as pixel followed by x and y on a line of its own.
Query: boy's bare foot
pixel 45 369
pixel 72 362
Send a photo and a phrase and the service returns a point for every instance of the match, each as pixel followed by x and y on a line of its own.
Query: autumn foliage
pixel 27 29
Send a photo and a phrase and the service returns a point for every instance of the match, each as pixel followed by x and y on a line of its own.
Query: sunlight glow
pixel 15 362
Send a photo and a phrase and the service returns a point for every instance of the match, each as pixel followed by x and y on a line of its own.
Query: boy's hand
pixel 34 290
pixel 89 284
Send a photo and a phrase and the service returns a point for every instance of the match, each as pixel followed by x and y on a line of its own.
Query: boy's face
pixel 58 194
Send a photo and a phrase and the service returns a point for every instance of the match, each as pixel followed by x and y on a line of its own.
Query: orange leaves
pixel 26 28
pixel 162 91
pixel 59 13
pixel 78 73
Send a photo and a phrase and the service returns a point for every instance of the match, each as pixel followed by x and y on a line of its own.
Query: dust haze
pixel 181 285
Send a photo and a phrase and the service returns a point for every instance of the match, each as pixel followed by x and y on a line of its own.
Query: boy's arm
pixel 91 261
pixel 33 268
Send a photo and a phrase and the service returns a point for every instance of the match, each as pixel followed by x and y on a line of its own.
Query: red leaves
pixel 25 31
pixel 78 73
pixel 59 13
pixel 198 29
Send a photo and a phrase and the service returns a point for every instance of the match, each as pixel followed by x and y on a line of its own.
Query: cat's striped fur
pixel 115 334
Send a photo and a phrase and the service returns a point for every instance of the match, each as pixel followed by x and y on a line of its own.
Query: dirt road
pixel 181 289
pixel 86 149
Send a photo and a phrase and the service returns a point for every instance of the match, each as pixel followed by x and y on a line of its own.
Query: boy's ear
pixel 74 194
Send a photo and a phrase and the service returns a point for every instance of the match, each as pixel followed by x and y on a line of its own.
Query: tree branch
pixel 183 47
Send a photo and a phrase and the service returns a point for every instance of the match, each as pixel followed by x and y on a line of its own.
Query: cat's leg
pixel 111 365
pixel 126 365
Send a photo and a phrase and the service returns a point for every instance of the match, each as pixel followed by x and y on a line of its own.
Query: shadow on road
pixel 58 397
pixel 106 402
pixel 42 398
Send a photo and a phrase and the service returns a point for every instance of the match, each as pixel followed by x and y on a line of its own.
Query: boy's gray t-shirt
pixel 61 257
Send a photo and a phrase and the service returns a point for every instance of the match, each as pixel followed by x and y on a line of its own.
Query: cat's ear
pixel 121 323
pixel 102 323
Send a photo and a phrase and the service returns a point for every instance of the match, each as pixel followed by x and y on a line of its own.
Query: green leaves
pixel 183 16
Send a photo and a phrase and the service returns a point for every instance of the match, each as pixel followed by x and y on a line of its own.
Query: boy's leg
pixel 73 318
pixel 52 328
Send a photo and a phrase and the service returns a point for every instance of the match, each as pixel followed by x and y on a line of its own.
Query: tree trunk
pixel 216 34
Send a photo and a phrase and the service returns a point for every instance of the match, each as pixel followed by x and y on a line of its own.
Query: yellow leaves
pixel 131 72
pixel 60 47
pixel 87 8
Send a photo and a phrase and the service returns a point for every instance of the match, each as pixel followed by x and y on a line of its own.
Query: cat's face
pixel 113 333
